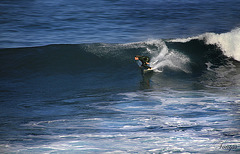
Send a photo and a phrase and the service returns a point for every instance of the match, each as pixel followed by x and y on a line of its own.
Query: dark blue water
pixel 34 23
pixel 69 82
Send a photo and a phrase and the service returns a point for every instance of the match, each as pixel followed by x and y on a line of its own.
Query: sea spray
pixel 163 57
pixel 227 42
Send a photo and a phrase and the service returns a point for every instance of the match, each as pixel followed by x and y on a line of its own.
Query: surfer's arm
pixel 145 65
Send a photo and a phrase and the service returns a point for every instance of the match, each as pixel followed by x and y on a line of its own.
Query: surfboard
pixel 144 70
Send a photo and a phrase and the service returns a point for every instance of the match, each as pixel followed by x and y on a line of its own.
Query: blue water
pixel 69 82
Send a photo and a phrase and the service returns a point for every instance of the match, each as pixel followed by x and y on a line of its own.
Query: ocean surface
pixel 69 82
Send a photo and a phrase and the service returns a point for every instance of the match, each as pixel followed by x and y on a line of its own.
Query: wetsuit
pixel 144 60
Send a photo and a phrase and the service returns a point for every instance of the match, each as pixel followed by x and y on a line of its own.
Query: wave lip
pixel 227 42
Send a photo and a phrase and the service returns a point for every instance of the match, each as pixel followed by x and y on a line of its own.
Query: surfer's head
pixel 137 57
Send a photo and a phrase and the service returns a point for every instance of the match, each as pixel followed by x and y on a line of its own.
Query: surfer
pixel 145 61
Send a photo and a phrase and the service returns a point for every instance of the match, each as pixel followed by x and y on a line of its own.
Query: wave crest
pixel 227 42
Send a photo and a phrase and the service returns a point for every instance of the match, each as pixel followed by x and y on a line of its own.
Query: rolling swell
pixel 187 57
pixel 55 59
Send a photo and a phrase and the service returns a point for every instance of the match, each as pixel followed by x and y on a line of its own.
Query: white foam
pixel 227 42
pixel 184 40
pixel 163 57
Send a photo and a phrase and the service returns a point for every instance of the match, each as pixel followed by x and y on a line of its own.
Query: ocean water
pixel 69 82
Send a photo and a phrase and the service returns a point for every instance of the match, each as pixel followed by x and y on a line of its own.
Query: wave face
pixel 190 56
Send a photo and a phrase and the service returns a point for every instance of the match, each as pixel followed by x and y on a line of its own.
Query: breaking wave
pixel 227 42
pixel 190 55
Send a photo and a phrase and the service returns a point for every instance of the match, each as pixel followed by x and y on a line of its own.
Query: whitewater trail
pixel 162 57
